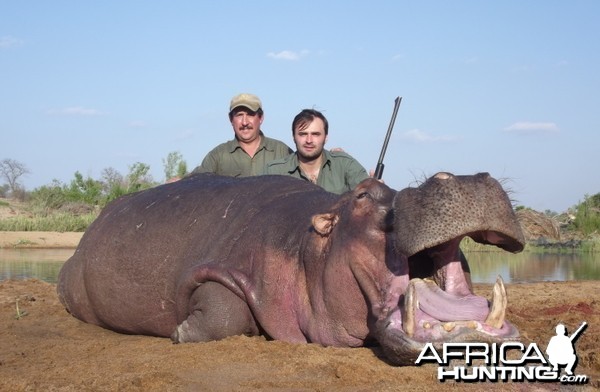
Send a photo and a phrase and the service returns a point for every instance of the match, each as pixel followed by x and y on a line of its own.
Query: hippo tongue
pixel 428 298
pixel 448 307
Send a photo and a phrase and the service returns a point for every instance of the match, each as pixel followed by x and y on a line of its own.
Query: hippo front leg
pixel 214 313
pixel 212 304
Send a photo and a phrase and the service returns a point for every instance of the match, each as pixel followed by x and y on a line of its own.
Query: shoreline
pixel 39 239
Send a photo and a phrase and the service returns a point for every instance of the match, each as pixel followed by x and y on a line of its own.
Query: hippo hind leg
pixel 215 313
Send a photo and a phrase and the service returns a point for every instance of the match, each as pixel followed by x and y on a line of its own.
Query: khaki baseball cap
pixel 249 101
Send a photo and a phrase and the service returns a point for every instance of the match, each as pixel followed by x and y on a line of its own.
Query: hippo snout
pixel 446 206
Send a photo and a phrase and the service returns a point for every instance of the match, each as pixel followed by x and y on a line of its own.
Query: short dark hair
pixel 305 117
pixel 259 112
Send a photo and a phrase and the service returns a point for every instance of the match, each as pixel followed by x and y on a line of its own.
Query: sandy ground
pixel 38 239
pixel 47 349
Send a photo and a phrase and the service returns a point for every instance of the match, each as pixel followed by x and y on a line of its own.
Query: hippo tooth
pixel 499 301
pixel 448 327
pixel 410 305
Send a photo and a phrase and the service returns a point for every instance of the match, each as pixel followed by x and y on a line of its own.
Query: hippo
pixel 209 257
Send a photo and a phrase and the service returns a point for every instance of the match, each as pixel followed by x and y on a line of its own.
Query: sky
pixel 510 88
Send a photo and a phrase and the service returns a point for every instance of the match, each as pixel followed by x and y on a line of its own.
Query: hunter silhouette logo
pixel 561 350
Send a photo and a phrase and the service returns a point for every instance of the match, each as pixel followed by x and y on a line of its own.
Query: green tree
pixel 182 169
pixel 85 190
pixel 113 184
pixel 139 177
pixel 587 217
pixel 174 166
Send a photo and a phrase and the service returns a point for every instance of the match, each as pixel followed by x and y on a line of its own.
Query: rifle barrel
pixel 379 167
pixel 576 333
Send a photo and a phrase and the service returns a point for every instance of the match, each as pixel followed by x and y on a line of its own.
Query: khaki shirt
pixel 230 159
pixel 339 173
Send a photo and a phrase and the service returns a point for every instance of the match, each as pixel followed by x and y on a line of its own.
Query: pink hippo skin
pixel 209 257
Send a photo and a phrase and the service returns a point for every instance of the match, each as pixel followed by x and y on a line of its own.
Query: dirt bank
pixel 47 349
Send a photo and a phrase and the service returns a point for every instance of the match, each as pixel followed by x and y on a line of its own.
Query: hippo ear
pixel 324 223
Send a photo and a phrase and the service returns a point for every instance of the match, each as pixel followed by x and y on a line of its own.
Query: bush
pixel 49 197
pixel 587 218
pixel 85 190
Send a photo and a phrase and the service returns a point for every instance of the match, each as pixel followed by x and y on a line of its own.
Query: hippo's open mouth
pixel 439 305
pixel 431 314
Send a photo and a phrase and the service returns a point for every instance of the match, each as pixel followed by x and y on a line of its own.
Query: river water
pixel 524 267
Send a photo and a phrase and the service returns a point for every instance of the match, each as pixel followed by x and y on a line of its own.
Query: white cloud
pixel 532 127
pixel 8 41
pixel 418 136
pixel 288 55
pixel 75 111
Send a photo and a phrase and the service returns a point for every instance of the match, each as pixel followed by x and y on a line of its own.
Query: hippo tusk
pixel 425 298
pixel 410 306
pixel 499 301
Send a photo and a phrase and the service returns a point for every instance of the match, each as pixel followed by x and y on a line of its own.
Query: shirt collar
pixel 296 162
pixel 235 143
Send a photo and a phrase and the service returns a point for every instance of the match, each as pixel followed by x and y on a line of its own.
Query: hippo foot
pixel 188 331
pixel 430 315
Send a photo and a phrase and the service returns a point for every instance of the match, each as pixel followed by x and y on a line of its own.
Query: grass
pixel 590 245
pixel 22 242
pixel 20 313
pixel 61 222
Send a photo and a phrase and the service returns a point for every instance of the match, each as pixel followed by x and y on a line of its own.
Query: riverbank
pixel 67 240
pixel 39 239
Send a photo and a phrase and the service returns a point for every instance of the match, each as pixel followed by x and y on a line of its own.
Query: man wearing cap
pixel 335 171
pixel 248 153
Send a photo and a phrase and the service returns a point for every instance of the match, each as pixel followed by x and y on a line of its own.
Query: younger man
pixel 335 171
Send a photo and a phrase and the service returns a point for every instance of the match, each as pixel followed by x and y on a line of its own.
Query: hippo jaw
pixel 442 308
pixel 438 304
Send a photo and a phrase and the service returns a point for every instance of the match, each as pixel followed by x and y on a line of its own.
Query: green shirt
pixel 230 159
pixel 339 173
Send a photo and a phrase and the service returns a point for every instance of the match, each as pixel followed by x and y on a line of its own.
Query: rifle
pixel 576 333
pixel 379 167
